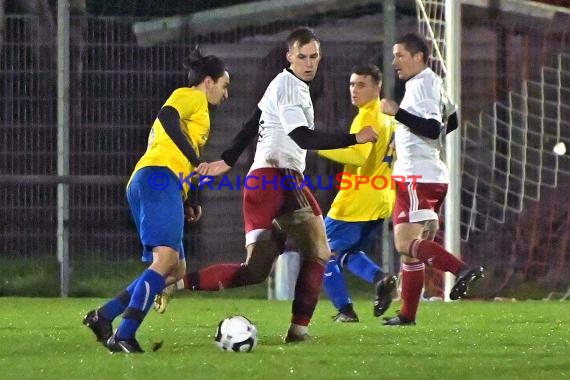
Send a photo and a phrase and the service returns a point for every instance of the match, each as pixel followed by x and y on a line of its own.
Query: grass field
pixel 44 338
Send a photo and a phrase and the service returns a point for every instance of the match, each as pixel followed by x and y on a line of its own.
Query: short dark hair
pixel 414 43
pixel 200 67
pixel 368 69
pixel 303 35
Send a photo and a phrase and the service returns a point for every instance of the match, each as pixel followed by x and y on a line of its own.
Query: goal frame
pixel 449 56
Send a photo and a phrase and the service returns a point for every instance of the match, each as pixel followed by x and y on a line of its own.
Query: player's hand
pixel 193 213
pixel 368 134
pixel 389 107
pixel 213 169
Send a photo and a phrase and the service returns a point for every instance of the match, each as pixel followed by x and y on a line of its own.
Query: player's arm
pixel 192 206
pixel 426 127
pixel 230 156
pixel 353 155
pixel 356 154
pixel 315 140
pixel 429 128
pixel 248 131
pixel 295 124
pixel 170 120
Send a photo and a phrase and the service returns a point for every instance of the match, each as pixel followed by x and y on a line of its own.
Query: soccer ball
pixel 236 334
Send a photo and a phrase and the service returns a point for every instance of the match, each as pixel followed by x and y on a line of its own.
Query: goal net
pixel 514 170
pixel 522 138
pixel 431 25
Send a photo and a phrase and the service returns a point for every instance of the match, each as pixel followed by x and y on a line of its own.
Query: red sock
pixel 435 255
pixel 413 276
pixel 215 277
pixel 307 290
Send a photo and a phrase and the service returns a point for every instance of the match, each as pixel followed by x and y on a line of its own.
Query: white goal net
pixel 508 153
pixel 522 148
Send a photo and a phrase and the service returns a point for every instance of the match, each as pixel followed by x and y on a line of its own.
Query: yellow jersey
pixel 366 192
pixel 192 106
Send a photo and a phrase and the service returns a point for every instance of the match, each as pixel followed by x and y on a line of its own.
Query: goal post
pixel 453 140
pixel 439 21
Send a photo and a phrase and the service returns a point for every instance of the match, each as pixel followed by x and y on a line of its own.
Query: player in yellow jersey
pixel 283 124
pixel 365 199
pixel 156 193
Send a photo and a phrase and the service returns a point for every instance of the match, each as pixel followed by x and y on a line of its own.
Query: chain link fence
pixel 116 89
pixel 118 86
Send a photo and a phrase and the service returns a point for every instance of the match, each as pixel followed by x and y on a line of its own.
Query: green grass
pixel 43 338
pixel 38 277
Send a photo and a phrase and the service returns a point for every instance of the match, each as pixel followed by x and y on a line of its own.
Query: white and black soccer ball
pixel 236 334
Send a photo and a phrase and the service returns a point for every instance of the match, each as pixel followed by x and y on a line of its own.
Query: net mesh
pixel 510 173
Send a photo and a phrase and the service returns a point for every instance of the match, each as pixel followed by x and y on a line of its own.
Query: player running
pixel 366 198
pixel 417 206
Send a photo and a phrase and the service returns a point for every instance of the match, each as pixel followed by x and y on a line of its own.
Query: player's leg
pixel 306 227
pixel 435 254
pixel 100 320
pixel 337 291
pixel 384 283
pixel 415 218
pixel 430 197
pixel 150 283
pixel 357 261
pixel 341 239
pixel 362 266
pixel 256 268
pixel 163 298
pixel 413 274
pixel 430 230
pixel 261 204
pixel 160 216
pixel 413 270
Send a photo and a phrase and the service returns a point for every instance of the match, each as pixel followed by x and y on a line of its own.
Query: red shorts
pixel 273 192
pixel 418 202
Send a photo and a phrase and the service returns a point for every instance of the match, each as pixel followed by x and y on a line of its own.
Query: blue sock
pixel 117 305
pixel 150 283
pixel 334 285
pixel 360 265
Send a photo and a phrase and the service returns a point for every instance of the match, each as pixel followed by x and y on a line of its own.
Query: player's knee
pixel 323 254
pixel 430 229
pixel 318 249
pixel 179 271
pixel 410 260
pixel 338 258
pixel 402 246
pixel 165 260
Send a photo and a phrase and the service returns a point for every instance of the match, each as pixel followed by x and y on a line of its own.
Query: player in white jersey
pixel 419 154
pixel 280 116
pixel 275 199
pixel 422 178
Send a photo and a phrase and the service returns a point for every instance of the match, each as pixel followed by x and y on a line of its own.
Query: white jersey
pixel 418 155
pixel 286 105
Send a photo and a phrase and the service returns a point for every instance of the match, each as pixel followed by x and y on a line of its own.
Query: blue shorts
pixel 347 237
pixel 155 199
